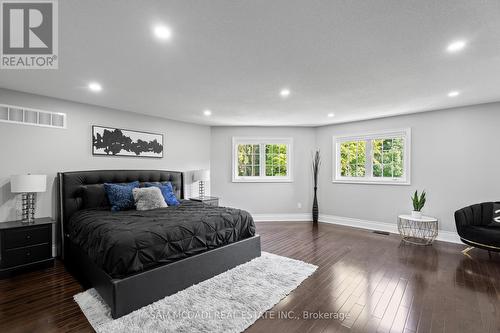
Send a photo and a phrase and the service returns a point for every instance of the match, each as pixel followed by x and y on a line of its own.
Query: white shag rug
pixel 228 302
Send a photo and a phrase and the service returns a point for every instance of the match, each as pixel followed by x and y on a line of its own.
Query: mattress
pixel 127 242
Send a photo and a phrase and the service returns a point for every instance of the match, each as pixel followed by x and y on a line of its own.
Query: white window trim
pixel 262 179
pixel 338 140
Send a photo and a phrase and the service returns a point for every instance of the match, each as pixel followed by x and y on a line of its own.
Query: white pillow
pixel 147 198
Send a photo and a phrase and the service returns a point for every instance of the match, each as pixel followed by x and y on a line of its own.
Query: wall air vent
pixel 27 116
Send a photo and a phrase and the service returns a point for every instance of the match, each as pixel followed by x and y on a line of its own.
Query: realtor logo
pixel 29 34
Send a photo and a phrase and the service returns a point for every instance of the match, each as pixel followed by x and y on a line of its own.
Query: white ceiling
pixel 357 59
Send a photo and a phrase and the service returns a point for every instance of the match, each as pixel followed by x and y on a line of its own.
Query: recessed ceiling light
pixel 456 46
pixel 207 113
pixel 453 93
pixel 331 115
pixel 285 93
pixel 162 32
pixel 95 87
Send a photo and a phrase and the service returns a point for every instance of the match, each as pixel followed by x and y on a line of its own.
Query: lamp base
pixel 28 203
pixel 201 191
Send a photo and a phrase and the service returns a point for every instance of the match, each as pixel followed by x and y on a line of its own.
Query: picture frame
pixel 112 141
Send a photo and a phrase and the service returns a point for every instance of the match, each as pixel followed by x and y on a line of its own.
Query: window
pixel 379 158
pixel 262 159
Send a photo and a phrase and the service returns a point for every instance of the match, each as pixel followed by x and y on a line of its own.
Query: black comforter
pixel 127 242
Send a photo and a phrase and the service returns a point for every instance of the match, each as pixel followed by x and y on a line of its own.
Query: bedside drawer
pixel 26 255
pixel 20 237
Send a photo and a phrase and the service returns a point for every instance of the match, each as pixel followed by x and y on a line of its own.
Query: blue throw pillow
pixel 120 195
pixel 167 191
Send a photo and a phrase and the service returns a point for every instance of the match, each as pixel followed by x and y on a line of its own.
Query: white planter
pixel 416 215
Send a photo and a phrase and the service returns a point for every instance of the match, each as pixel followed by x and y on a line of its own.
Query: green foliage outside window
pixel 353 159
pixel 248 160
pixel 276 159
pixel 388 157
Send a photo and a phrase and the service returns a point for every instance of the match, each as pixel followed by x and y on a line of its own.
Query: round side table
pixel 420 231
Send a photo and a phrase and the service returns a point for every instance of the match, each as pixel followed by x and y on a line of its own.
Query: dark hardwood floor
pixel 375 282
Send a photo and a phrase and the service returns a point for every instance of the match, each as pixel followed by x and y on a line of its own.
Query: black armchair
pixel 477 228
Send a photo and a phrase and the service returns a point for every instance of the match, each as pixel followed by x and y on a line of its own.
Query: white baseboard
pixel 443 235
pixel 357 223
pixel 449 236
pixel 299 217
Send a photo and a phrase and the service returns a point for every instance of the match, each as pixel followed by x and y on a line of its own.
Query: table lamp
pixel 201 176
pixel 28 185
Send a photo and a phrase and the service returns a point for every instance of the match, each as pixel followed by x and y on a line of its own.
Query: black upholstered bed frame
pixel 127 294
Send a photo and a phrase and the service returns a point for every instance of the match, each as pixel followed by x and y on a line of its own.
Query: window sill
pixel 263 180
pixel 371 182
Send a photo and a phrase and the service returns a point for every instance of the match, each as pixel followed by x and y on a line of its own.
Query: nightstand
pixel 213 201
pixel 25 246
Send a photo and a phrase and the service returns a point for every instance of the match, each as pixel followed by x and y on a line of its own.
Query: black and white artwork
pixel 110 141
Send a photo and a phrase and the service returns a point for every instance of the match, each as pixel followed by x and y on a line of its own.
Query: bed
pixel 134 258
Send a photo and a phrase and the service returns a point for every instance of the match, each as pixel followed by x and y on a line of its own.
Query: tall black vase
pixel 315 209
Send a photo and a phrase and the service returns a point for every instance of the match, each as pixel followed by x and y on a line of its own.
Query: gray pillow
pixel 147 198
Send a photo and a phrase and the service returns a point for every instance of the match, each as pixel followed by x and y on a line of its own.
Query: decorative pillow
pixel 167 191
pixel 120 195
pixel 147 198
pixel 496 213
pixel 94 196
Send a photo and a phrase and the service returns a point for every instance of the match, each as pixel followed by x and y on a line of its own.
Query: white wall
pixel 263 198
pixel 47 151
pixel 455 158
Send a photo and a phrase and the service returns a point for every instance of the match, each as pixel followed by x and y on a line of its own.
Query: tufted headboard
pixel 70 186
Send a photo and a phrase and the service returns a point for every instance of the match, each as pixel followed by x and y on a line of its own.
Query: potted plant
pixel 315 169
pixel 418 204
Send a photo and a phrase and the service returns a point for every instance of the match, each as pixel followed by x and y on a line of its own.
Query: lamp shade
pixel 28 183
pixel 201 175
